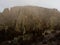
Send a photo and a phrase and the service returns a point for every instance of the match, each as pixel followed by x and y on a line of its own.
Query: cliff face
pixel 29 15
pixel 29 22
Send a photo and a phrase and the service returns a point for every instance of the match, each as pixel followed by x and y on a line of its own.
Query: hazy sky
pixel 42 3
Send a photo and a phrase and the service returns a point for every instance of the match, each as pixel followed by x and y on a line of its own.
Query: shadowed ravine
pixel 29 25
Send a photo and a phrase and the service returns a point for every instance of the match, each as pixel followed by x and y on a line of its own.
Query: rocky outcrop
pixel 29 25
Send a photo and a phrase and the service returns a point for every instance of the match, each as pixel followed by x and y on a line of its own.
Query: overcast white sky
pixel 42 3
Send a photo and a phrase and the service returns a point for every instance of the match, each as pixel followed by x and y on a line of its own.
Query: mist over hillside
pixel 30 25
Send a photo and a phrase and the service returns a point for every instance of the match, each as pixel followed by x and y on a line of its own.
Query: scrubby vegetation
pixel 29 25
